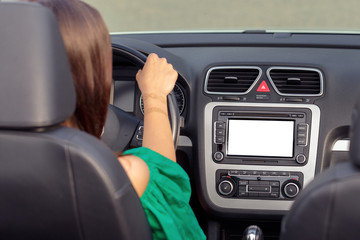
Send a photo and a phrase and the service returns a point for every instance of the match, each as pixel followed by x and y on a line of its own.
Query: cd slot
pixel 253 114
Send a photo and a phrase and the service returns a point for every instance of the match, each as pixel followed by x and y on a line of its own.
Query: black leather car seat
pixel 328 208
pixel 55 182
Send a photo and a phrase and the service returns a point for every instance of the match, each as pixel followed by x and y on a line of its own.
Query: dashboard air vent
pixel 296 81
pixel 231 80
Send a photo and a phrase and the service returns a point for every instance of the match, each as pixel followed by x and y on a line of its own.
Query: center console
pixel 259 156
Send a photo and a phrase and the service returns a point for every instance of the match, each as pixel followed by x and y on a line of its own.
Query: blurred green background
pixel 165 15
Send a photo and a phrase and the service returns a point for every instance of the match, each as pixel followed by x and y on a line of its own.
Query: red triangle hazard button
pixel 263 87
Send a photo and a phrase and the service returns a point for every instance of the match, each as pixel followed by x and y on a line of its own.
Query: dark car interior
pixel 256 116
pixel 229 83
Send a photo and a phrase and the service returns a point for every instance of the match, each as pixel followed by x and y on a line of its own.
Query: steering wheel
pixel 122 130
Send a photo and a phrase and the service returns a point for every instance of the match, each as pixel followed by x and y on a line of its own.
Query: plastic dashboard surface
pixel 336 56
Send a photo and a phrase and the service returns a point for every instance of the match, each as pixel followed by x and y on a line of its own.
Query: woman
pixel 161 184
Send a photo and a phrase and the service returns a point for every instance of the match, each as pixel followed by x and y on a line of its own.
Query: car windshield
pixel 230 15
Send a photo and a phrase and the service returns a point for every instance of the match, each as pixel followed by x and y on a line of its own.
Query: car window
pixel 230 15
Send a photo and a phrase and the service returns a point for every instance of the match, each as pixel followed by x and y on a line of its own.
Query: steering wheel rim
pixel 129 126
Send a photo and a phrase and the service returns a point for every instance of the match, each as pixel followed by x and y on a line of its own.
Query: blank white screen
pixel 261 138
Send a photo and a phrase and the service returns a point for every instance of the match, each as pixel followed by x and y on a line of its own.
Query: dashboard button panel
pixel 252 184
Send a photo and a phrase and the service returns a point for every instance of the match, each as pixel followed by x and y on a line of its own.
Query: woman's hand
pixel 157 76
pixel 156 80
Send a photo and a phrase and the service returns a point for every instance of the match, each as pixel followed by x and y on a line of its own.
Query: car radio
pixel 265 137
pixel 257 156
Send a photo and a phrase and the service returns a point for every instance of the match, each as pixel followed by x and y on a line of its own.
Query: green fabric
pixel 166 198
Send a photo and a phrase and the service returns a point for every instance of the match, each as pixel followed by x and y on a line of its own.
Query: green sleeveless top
pixel 166 198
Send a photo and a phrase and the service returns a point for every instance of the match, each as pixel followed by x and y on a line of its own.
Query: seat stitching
pixel 73 191
pixel 329 214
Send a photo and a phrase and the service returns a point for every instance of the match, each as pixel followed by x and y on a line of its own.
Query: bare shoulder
pixel 137 171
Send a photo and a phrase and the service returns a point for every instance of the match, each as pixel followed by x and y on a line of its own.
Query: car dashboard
pixel 262 113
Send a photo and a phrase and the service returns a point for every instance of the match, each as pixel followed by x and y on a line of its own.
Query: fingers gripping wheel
pixel 121 129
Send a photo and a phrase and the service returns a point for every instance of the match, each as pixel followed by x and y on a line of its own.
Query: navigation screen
pixel 266 138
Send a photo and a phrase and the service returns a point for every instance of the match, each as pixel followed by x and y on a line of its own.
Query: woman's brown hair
pixel 88 47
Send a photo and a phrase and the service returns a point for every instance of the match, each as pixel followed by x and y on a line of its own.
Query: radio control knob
pixel 291 189
pixel 226 186
pixel 300 159
pixel 218 156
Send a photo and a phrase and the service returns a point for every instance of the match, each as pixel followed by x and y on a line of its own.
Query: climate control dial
pixel 226 186
pixel 291 189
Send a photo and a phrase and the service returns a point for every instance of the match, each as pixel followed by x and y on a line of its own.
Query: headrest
pixel 355 135
pixel 36 85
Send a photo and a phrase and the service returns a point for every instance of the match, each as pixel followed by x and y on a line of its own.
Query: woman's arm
pixel 137 171
pixel 156 80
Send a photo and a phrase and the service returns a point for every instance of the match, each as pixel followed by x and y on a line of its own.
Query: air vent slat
pixel 296 86
pixel 294 73
pixel 285 81
pixel 300 90
pixel 229 84
pixel 232 80
pixel 223 75
pixel 287 77
pixel 295 81
pixel 222 82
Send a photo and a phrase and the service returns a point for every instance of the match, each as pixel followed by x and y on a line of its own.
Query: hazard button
pixel 263 87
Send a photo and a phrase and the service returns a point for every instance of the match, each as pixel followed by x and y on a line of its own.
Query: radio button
pixel 254 173
pixel 284 174
pixel 242 188
pixel 259 188
pixel 252 189
pixel 274 184
pixel 264 183
pixel 243 194
pixel 264 173
pixel 220 132
pixel 220 125
pixel 253 194
pixel 219 140
pixel 275 189
pixel 254 182
pixel 301 135
pixel 302 127
pixel 274 194
pixel 244 172
pixel 234 172
pixel 301 141
pixel 273 174
pixel 243 182
pixel 264 194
